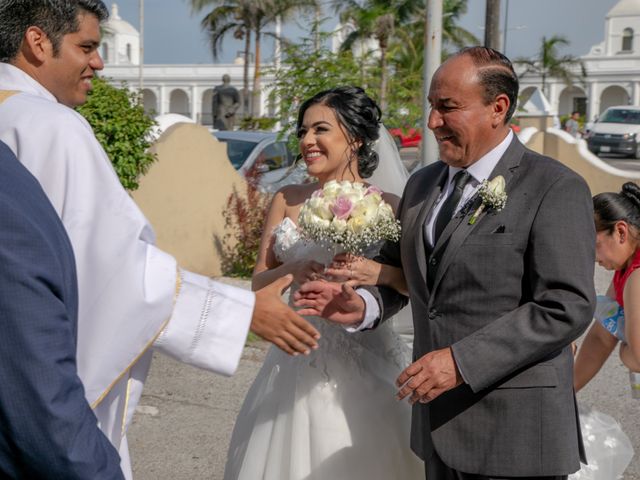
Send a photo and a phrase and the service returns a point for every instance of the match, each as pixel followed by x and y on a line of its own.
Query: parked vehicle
pixel 406 137
pixel 271 156
pixel 616 131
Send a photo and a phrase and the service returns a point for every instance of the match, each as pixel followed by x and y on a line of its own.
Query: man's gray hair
pixel 55 18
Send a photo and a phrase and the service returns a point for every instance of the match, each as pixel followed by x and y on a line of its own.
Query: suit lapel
pixel 458 228
pixel 433 185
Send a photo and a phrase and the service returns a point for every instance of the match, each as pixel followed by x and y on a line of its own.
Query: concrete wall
pixel 184 193
pixel 574 153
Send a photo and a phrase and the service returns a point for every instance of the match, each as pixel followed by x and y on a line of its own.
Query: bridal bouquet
pixel 348 216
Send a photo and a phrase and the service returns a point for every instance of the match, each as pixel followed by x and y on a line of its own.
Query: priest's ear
pixel 36 46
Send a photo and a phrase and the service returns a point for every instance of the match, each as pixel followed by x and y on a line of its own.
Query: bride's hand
pixel 354 270
pixel 306 271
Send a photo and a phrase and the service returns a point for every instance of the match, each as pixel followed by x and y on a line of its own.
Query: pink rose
pixel 342 207
pixel 373 189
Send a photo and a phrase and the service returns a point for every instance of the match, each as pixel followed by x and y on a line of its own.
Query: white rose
pixel 349 190
pixel 357 224
pixel 497 185
pixel 385 211
pixel 331 190
pixel 338 225
pixel 320 207
pixel 366 211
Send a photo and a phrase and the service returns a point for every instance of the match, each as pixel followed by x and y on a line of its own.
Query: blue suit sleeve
pixel 47 428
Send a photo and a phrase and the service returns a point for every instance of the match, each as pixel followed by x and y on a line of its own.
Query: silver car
pixel 271 156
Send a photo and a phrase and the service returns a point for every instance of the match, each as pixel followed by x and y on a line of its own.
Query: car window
pixel 238 151
pixel 621 115
pixel 275 156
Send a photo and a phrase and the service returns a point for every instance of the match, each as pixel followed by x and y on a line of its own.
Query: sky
pixel 173 34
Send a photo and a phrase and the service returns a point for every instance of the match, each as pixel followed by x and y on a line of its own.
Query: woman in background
pixel 617 219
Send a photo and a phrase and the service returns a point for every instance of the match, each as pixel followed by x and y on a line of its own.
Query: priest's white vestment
pixel 132 295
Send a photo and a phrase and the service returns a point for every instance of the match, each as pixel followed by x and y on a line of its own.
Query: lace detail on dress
pixel 286 236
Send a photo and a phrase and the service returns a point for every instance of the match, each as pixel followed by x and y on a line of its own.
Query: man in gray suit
pixel 498 294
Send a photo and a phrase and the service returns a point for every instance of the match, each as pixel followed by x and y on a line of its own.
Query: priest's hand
pixel 338 303
pixel 275 322
pixel 429 377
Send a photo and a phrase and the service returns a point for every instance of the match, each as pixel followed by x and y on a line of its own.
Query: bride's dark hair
pixel 610 207
pixel 358 114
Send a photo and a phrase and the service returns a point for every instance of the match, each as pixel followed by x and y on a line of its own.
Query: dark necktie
pixel 451 202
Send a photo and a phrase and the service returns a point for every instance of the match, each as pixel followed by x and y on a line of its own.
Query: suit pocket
pixel 541 375
pixel 489 239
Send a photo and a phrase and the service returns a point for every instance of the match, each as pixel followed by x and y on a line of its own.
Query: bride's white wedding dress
pixel 330 415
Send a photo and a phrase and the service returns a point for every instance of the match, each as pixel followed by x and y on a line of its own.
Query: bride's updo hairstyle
pixel 358 115
pixel 609 208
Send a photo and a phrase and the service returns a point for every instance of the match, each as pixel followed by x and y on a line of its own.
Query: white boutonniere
pixel 493 196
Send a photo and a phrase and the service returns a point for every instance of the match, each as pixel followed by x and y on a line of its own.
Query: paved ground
pixel 183 424
pixel 618 161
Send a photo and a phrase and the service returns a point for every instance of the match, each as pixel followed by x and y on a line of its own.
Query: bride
pixel 331 414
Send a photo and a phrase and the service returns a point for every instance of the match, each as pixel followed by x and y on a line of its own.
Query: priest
pixel 133 297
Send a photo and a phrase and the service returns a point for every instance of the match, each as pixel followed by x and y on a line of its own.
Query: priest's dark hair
pixel 358 114
pixel 55 18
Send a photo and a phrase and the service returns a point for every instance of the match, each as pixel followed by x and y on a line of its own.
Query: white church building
pixel 613 72
pixel 184 89
pixel 613 69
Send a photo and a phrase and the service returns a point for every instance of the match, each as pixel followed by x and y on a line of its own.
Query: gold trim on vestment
pixel 144 350
pixel 4 94
pixel 124 410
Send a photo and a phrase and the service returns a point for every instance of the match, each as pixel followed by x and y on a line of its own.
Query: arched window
pixel 129 51
pixel 627 40
pixel 105 52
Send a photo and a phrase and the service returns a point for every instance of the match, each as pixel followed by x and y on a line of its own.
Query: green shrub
pixel 122 128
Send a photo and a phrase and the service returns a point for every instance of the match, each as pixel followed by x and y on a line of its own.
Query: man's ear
pixel 36 45
pixel 501 105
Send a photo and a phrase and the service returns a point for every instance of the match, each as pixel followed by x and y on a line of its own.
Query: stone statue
pixel 225 103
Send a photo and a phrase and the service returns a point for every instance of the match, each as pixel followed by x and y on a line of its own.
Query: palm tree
pixel 265 13
pixel 409 47
pixel 549 63
pixel 228 16
pixel 453 34
pixel 406 56
pixel 375 19
pixel 243 18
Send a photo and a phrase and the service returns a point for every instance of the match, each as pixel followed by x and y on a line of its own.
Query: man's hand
pixel 429 377
pixel 338 303
pixel 274 321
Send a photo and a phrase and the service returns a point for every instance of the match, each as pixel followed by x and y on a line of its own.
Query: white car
pixel 270 156
pixel 616 131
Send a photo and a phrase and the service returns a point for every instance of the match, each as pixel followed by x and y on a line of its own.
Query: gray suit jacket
pixel 510 293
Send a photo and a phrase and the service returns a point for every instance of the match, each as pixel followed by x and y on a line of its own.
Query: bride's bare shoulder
pixel 296 193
